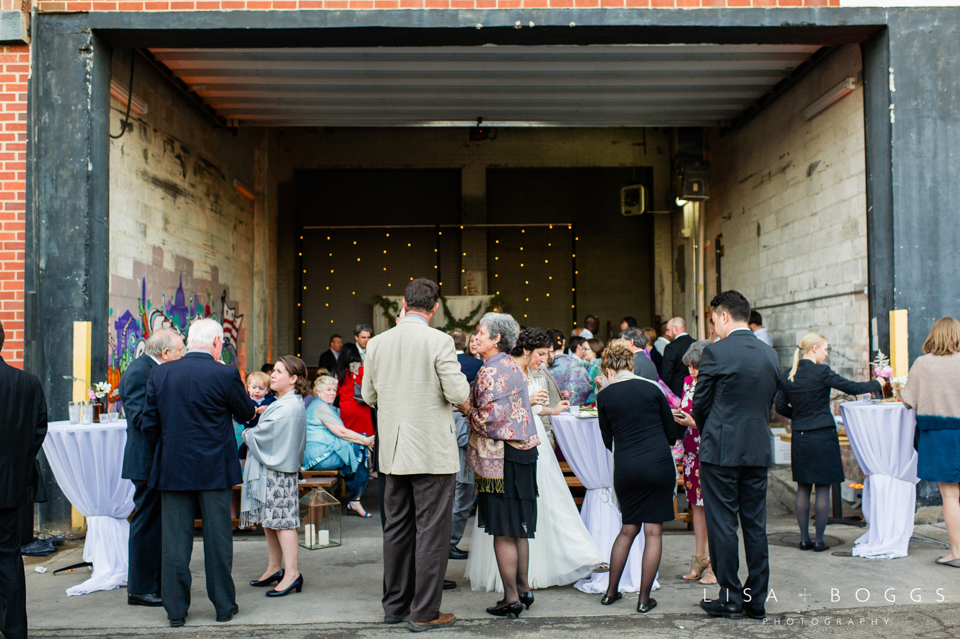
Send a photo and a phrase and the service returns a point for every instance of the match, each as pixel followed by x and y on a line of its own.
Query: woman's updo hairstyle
pixel 295 366
pixel 618 357
pixel 529 340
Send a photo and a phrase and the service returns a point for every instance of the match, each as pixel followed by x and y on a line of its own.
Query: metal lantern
pixel 319 520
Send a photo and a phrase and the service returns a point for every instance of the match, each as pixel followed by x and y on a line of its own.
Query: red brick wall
pixel 216 5
pixel 14 69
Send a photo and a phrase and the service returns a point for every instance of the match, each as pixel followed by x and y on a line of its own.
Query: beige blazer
pixel 411 374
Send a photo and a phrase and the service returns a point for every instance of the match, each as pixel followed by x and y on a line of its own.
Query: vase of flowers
pixel 97 393
pixel 881 367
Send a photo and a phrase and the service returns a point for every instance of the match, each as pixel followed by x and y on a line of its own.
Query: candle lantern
pixel 319 520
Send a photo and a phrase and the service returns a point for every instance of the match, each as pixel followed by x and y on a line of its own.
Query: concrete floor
pixel 342 594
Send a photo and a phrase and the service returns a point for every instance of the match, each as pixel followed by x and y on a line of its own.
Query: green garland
pixel 390 311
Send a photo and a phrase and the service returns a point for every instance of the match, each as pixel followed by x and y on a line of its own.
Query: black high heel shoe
pixel 296 585
pixel 646 607
pixel 507 609
pixel 607 599
pixel 526 598
pixel 806 545
pixel 275 578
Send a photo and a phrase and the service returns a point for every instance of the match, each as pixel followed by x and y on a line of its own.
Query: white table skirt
pixel 583 448
pixel 881 436
pixel 86 460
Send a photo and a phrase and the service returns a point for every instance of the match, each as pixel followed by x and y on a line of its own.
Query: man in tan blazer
pixel 412 375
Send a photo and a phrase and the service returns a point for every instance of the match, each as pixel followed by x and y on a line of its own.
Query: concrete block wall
pixel 789 196
pixel 181 236
pixel 14 73
pixel 232 5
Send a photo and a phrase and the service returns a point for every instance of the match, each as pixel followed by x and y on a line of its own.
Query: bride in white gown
pixel 562 550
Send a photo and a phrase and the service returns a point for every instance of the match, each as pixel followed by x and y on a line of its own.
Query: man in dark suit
pixel 331 357
pixel 361 335
pixel 469 365
pixel 187 420
pixel 464 493
pixel 23 426
pixel 673 371
pixel 643 366
pixel 143 578
pixel 739 377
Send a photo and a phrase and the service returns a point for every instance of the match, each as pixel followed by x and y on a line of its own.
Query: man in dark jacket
pixel 187 420
pixel 739 377
pixel 143 578
pixel 672 371
pixel 23 426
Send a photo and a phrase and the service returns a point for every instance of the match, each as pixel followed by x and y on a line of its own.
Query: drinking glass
pixel 86 413
pixel 74 409
pixel 112 417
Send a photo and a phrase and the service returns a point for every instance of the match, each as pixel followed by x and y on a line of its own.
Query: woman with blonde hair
pixel 637 425
pixel 933 391
pixel 814 447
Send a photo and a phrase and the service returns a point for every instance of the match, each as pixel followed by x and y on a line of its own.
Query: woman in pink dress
pixel 700 562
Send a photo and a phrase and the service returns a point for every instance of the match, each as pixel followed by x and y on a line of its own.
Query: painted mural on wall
pixel 176 311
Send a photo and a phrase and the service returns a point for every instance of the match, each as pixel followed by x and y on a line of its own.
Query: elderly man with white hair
pixel 143 578
pixel 187 420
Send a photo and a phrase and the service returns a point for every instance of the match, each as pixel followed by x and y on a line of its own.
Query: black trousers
pixel 146 540
pixel 416 543
pixel 179 508
pixel 730 492
pixel 13 587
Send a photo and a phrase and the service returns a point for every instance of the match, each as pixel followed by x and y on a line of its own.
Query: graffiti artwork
pixel 126 344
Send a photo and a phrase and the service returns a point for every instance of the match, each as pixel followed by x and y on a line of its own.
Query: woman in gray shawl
pixel 270 494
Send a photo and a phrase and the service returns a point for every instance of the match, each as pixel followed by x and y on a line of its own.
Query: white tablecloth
pixel 881 435
pixel 583 448
pixel 86 460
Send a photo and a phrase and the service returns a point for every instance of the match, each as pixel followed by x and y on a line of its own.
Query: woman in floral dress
pixel 700 563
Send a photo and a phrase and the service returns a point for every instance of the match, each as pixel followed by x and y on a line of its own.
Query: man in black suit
pixel 143 578
pixel 187 420
pixel 739 377
pixel 331 357
pixel 464 494
pixel 469 365
pixel 361 335
pixel 673 371
pixel 23 426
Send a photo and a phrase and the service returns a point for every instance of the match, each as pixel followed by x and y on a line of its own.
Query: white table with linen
pixel 86 460
pixel 582 446
pixel 881 436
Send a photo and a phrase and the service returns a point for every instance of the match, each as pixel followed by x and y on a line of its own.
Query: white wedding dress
pixel 562 550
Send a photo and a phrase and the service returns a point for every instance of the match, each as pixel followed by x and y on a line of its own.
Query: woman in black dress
pixel 637 425
pixel 814 445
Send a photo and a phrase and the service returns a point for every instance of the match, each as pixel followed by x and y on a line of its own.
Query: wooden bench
pixel 573 482
pixel 326 479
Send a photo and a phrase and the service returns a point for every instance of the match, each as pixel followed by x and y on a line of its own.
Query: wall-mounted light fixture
pixel 243 190
pixel 830 98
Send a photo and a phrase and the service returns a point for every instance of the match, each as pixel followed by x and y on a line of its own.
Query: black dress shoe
pixel 449 585
pixel 607 599
pixel 526 598
pixel 296 585
pixel 503 609
pixel 754 613
pixel 806 545
pixel 716 608
pixel 456 553
pixel 275 578
pixel 152 599
pixel 396 618
pixel 819 546
pixel 650 604
pixel 176 623
pixel 229 615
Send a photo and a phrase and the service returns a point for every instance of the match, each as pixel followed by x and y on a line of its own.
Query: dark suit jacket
pixel 657 359
pixel 23 427
pixel 469 366
pixel 739 376
pixel 329 361
pixel 137 455
pixel 187 419
pixel 673 371
pixel 644 367
pixel 807 398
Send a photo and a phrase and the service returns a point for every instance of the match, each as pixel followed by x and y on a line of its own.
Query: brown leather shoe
pixel 442 621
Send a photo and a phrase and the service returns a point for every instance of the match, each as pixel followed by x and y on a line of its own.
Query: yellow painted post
pixel 899 352
pixel 82 342
pixel 82 354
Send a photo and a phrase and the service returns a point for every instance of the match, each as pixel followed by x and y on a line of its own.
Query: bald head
pixel 164 345
pixel 676 326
